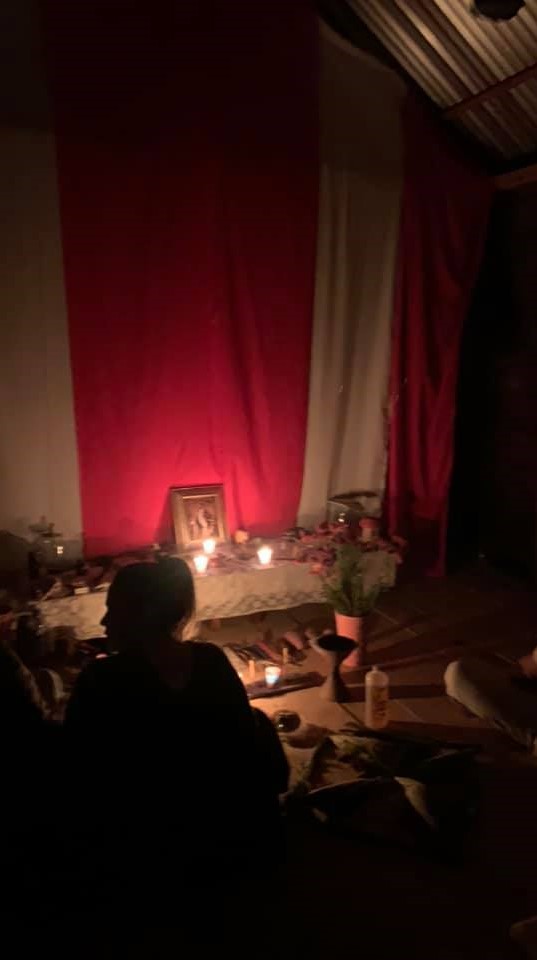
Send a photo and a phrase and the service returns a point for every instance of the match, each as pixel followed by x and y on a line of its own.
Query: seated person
pixel 29 777
pixel 173 764
pixel 506 697
pixel 44 654
pixel 22 709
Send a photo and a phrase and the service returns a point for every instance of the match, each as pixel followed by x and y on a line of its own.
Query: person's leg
pixel 490 693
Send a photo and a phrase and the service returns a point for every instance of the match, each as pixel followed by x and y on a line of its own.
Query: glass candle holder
pixel 272 675
pixel 201 562
pixel 265 556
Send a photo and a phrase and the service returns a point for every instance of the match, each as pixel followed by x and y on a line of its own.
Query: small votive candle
pixel 201 562
pixel 209 545
pixel 368 528
pixel 272 675
pixel 265 555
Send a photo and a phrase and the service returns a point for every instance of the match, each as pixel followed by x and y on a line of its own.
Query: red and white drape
pixel 38 456
pixel 360 180
pixel 202 243
pixel 188 202
pixel 443 222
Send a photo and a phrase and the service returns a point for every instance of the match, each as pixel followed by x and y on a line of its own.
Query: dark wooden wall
pixel 494 490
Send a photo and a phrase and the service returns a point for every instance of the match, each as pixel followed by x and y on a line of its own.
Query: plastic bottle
pixel 377 695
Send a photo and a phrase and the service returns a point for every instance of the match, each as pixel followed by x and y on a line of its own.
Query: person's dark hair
pixel 152 598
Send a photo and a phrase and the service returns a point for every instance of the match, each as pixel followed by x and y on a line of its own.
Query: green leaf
pixel 345 590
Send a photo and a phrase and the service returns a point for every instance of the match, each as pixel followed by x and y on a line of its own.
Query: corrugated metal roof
pixel 453 54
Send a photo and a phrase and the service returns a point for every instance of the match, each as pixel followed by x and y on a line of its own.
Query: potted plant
pixel 352 601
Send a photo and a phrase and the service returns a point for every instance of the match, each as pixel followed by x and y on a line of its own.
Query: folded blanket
pixel 395 789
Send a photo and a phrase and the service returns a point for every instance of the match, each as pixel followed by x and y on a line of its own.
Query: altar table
pixel 221 593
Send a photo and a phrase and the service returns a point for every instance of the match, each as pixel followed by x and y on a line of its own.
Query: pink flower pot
pixel 353 628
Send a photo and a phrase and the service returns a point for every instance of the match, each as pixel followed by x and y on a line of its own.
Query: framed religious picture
pixel 198 514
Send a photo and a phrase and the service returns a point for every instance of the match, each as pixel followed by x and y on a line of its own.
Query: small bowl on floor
pixel 286 721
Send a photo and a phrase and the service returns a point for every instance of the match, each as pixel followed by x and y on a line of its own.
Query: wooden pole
pixel 493 91
pixel 516 178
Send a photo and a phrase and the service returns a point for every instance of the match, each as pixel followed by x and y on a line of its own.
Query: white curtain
pixel 38 457
pixel 360 186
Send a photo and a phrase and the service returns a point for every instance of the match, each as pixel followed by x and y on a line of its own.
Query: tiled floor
pixel 417 630
pixel 352 898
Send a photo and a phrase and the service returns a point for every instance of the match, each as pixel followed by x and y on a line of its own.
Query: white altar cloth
pixel 221 593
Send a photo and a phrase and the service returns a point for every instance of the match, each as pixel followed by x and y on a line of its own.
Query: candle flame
pixel 265 555
pixel 201 562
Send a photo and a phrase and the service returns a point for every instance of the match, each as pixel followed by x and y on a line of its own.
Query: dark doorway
pixel 493 506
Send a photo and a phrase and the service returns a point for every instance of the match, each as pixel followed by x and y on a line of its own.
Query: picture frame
pixel 198 513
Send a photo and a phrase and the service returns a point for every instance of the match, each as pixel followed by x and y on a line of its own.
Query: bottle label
pixel 379 706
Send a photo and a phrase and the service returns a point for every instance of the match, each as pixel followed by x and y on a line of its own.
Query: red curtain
pixel 187 164
pixel 444 215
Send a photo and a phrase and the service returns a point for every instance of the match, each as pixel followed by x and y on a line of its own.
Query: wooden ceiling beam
pixel 516 178
pixel 496 88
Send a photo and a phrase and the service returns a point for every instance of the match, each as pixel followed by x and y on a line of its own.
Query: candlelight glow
pixel 265 555
pixel 201 562
pixel 272 675
pixel 209 545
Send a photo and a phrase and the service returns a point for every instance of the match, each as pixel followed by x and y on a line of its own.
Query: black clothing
pixel 173 776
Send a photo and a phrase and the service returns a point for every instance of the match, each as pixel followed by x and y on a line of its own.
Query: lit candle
pixel 368 529
pixel 209 545
pixel 272 675
pixel 201 562
pixel 265 555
